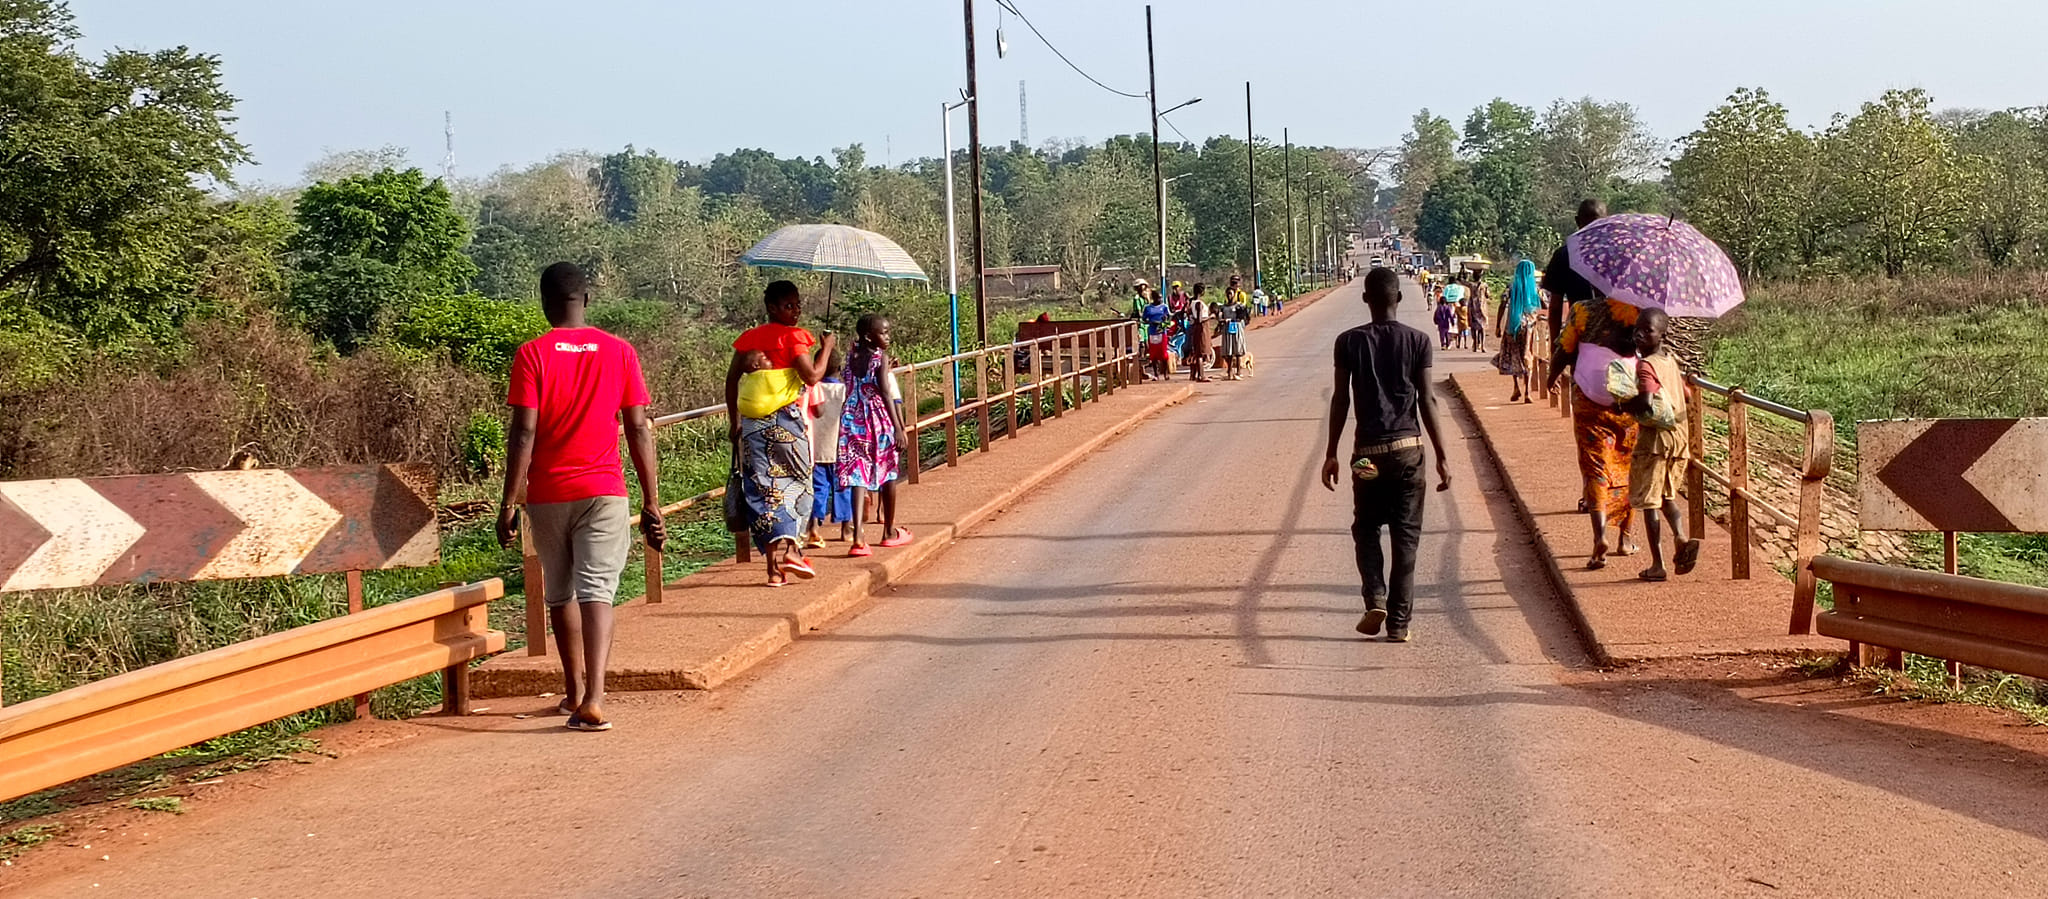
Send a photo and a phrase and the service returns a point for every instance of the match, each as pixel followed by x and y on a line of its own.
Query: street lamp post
pixel 1287 187
pixel 952 238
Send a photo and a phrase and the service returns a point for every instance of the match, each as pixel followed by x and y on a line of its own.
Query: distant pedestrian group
pixel 1195 331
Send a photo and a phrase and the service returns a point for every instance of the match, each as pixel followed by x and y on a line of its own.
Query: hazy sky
pixel 691 78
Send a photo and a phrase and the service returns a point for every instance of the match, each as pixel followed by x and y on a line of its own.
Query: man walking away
pixel 1383 371
pixel 1565 285
pixel 570 387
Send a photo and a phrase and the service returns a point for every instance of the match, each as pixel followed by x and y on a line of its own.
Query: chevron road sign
pixel 212 525
pixel 1954 474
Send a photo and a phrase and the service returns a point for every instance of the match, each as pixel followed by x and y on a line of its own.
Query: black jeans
pixel 1393 501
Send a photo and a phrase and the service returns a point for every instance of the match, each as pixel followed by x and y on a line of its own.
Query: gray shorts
pixel 582 547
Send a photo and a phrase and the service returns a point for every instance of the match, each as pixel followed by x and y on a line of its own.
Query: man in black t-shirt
pixel 1565 285
pixel 1382 371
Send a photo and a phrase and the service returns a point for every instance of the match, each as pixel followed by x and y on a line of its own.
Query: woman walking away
pixel 871 431
pixel 1517 320
pixel 1599 332
pixel 1236 315
pixel 1196 351
pixel 771 430
pixel 1476 301
pixel 1158 353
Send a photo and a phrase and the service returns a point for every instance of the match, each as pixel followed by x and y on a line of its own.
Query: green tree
pixel 789 189
pixel 2006 159
pixel 1500 137
pixel 370 241
pixel 101 163
pixel 1738 178
pixel 1895 181
pixel 1589 149
pixel 631 183
pixel 1456 215
pixel 1428 150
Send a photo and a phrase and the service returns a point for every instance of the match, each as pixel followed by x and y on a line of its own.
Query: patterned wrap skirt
pixel 1606 439
pixel 775 470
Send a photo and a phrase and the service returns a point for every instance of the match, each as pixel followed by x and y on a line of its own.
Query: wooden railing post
pixel 1816 458
pixel 1038 381
pixel 1740 529
pixel 1009 363
pixel 1695 473
pixel 981 420
pixel 1106 364
pixel 353 582
pixel 912 414
pixel 1059 373
pixel 536 589
pixel 1086 364
pixel 952 413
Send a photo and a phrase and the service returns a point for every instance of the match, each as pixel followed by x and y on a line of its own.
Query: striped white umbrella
pixel 834 248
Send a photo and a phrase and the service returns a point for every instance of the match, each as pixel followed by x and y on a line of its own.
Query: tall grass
pixel 1950 347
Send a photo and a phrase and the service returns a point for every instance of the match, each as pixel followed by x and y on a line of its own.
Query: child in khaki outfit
pixel 1664 447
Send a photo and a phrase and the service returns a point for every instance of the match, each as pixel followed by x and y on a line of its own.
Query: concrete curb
pixel 527 676
pixel 1543 548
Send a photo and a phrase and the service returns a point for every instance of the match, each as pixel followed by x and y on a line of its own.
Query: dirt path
pixel 1143 682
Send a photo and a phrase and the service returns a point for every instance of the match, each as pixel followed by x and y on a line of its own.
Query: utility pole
pixel 1287 187
pixel 1158 180
pixel 1251 180
pixel 974 172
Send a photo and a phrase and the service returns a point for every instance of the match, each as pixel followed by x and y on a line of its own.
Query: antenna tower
pixel 448 161
pixel 1023 117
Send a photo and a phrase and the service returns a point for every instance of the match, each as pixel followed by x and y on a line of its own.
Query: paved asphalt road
pixel 1144 682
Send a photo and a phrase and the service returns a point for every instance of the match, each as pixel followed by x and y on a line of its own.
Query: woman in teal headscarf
pixel 1517 327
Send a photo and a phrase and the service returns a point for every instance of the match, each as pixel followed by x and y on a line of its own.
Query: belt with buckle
pixel 1378 449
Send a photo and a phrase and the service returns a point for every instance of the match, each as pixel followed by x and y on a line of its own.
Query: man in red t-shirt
pixel 570 388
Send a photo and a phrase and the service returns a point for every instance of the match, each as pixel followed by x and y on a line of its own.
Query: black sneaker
pixel 1397 636
pixel 1370 624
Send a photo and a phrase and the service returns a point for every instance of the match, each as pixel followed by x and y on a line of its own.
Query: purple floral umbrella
pixel 1656 261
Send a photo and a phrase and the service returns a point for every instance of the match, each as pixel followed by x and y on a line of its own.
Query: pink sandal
pixel 902 537
pixel 799 566
pixel 859 551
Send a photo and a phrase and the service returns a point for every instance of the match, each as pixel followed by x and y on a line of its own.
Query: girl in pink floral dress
pixel 871 432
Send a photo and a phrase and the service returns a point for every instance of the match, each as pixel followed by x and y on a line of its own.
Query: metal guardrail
pixel 133 716
pixel 1106 357
pixel 1946 616
pixel 1817 455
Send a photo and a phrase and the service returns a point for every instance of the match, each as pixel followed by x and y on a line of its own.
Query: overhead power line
pixel 1013 10
pixel 1176 129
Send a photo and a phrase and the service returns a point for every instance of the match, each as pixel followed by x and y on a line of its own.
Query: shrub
pixel 630 318
pixel 483 444
pixel 245 384
pixel 480 334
